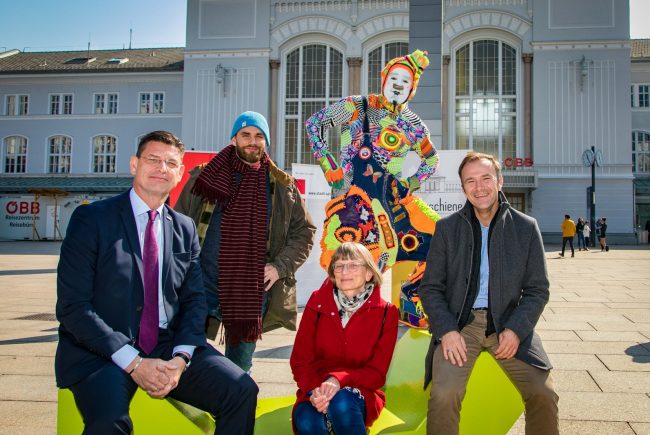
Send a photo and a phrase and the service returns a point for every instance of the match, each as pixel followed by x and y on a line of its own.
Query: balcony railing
pixel 521 178
pixel 512 178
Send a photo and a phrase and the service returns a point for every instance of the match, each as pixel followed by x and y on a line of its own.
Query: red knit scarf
pixel 242 250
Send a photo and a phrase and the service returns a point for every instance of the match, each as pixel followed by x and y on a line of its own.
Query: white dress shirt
pixel 127 353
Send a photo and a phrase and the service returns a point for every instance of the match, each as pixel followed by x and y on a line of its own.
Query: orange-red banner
pixel 191 160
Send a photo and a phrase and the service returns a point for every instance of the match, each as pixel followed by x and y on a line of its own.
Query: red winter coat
pixel 358 356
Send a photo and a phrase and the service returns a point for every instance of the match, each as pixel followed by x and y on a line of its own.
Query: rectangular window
pixel 644 96
pixel 641 152
pixel 105 104
pixel 23 107
pixel 55 104
pixel 17 105
pixel 11 105
pixel 60 104
pixel 67 104
pixel 158 102
pixel 145 103
pixel 100 104
pixel 152 102
pixel 112 103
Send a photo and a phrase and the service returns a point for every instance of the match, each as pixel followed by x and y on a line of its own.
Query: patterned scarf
pixel 242 250
pixel 347 307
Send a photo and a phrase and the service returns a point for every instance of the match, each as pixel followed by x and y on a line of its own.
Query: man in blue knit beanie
pixel 251 119
pixel 254 232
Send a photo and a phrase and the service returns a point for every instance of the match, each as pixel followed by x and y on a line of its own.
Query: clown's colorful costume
pixel 372 202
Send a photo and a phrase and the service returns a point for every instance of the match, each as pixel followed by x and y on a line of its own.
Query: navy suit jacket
pixel 100 288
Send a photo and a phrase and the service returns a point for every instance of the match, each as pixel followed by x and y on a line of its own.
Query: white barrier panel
pixel 316 194
pixel 24 217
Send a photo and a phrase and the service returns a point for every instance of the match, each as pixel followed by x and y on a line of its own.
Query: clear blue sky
pixel 48 25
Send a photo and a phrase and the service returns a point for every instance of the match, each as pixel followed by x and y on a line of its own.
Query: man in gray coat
pixel 484 288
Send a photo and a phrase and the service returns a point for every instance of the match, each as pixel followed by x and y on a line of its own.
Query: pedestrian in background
pixel 568 232
pixel 597 231
pixel 586 231
pixel 580 226
pixel 603 235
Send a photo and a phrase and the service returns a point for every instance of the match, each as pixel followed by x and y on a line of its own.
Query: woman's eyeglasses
pixel 351 267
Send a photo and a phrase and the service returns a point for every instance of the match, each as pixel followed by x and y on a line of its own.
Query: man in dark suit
pixel 132 307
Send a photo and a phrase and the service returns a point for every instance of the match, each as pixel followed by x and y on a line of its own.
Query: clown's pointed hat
pixel 415 62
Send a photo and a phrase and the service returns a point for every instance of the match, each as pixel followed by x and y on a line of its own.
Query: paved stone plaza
pixel 596 329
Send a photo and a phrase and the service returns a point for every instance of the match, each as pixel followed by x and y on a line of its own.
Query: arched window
pixel 15 154
pixel 376 60
pixel 641 152
pixel 104 153
pixel 486 97
pixel 60 153
pixel 313 80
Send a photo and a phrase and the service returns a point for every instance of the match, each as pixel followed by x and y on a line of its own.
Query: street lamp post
pixel 591 157
pixel 593 196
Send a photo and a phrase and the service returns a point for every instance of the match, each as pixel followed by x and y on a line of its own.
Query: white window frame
pixel 479 35
pixel 635 151
pixel 149 107
pixel 59 155
pixel 379 41
pixel 636 95
pixel 295 43
pixel 106 155
pixel 106 105
pixel 16 157
pixel 63 107
pixel 20 106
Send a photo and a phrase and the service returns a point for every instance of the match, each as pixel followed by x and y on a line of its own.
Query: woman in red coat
pixel 343 348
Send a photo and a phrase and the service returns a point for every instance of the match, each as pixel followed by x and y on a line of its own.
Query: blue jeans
pixel 241 354
pixel 581 240
pixel 346 413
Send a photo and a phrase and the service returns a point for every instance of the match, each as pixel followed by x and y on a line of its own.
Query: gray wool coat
pixel 518 285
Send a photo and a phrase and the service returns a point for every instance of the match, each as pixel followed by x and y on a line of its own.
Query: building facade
pixel 70 121
pixel 534 82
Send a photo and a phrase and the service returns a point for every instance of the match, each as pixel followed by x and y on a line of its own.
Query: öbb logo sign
pixel 23 207
pixel 518 162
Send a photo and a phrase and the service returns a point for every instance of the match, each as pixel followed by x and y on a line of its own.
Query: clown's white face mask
pixel 398 85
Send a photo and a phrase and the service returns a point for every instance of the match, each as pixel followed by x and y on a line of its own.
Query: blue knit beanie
pixel 251 119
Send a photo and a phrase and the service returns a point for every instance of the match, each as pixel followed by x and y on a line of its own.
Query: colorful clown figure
pixel 372 200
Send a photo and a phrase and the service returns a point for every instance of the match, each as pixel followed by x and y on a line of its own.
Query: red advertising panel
pixel 191 160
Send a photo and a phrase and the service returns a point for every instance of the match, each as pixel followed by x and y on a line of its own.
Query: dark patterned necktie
pixel 148 337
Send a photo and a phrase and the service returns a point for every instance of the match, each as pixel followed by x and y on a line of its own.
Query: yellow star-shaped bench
pixel 491 406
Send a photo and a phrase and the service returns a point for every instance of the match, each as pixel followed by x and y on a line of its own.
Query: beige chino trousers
pixel 449 383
